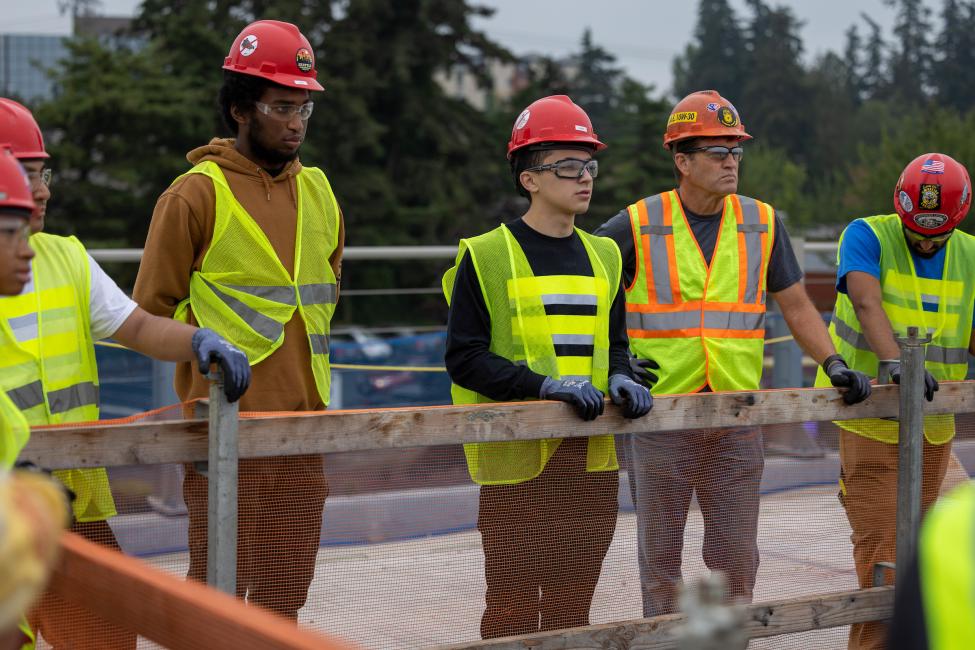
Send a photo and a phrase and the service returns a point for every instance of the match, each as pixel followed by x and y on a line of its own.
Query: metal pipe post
pixel 222 489
pixel 910 458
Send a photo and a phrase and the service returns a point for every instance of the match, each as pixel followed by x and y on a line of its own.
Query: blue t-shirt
pixel 860 251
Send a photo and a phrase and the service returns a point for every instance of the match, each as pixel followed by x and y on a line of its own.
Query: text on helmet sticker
pixel 304 60
pixel 713 107
pixel 248 45
pixel 682 116
pixel 931 220
pixel 522 119
pixel 581 128
pixel 930 196
pixel 932 166
pixel 907 205
pixel 727 117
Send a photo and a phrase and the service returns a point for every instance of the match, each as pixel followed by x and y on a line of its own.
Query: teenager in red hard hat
pixel 537 312
pixel 249 242
pixel 910 268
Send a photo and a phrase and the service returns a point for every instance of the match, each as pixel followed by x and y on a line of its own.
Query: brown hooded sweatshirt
pixel 179 236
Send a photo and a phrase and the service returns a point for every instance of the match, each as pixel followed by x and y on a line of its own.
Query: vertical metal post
pixel 222 490
pixel 910 458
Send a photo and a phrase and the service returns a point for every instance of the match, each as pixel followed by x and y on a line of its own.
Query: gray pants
pixel 724 467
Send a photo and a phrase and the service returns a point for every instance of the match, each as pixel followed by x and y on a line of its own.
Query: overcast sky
pixel 645 35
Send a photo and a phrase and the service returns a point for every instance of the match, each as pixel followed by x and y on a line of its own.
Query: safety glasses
pixel 284 112
pixel 917 238
pixel 572 168
pixel 14 230
pixel 44 176
pixel 717 153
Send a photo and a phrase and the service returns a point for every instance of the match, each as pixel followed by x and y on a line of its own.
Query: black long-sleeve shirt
pixel 469 360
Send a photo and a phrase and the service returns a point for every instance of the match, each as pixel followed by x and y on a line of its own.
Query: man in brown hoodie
pixel 250 242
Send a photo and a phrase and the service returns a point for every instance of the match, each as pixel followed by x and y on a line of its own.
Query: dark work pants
pixel 544 542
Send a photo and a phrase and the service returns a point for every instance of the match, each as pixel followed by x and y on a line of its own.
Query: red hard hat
pixel 933 194
pixel 15 191
pixel 704 114
pixel 275 51
pixel 19 131
pixel 552 119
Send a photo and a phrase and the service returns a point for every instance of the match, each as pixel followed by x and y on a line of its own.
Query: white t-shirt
pixel 109 306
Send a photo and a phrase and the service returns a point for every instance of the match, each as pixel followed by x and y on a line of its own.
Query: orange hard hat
pixel 276 51
pixel 15 194
pixel 552 119
pixel 933 194
pixel 19 131
pixel 704 114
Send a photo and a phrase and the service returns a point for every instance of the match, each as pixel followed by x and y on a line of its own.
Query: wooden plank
pixel 333 431
pixel 660 633
pixel 167 610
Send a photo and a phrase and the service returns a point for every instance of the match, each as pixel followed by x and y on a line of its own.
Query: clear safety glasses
pixel 284 112
pixel 569 168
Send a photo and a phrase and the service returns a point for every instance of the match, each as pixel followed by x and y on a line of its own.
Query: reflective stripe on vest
pixel 556 325
pixel 244 293
pixel 946 568
pixel 685 313
pixel 47 357
pixel 903 297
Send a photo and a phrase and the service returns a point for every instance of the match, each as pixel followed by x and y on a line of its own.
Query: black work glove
pixel 635 398
pixel 892 368
pixel 586 398
pixel 209 348
pixel 641 370
pixel 841 376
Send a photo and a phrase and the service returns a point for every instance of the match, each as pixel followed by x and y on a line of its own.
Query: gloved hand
pixel 892 368
pixel 586 398
pixel 635 398
pixel 841 376
pixel 209 348
pixel 641 370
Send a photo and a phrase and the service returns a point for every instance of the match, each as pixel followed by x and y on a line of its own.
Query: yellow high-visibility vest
pixel 703 324
pixel 946 356
pixel 522 332
pixel 244 293
pixel 14 431
pixel 47 357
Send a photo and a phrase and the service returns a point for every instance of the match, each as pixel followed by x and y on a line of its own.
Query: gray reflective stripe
pixel 317 294
pixel 659 255
pixel 939 354
pixel 318 343
pixel 573 339
pixel 849 335
pixel 27 396
pixel 284 295
pixel 24 327
pixel 656 230
pixel 266 327
pixel 733 320
pixel 65 399
pixel 752 230
pixel 931 299
pixel 569 299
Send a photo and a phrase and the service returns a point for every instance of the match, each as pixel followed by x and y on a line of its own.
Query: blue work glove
pixel 841 376
pixel 586 398
pixel 635 399
pixel 641 370
pixel 209 347
pixel 892 368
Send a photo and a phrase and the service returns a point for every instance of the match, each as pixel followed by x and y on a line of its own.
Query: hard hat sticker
pixel 932 166
pixel 930 197
pixel 682 116
pixel 523 119
pixel 581 128
pixel 727 117
pixel 964 195
pixel 304 60
pixel 300 82
pixel 713 107
pixel 931 220
pixel 248 45
pixel 907 205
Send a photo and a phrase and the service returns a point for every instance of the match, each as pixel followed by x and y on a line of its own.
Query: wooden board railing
pixel 165 609
pixel 661 633
pixel 99 445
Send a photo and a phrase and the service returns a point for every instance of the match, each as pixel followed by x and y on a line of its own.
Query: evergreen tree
pixel 911 58
pixel 954 75
pixel 716 58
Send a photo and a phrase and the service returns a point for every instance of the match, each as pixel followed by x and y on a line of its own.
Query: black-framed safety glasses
pixel 718 153
pixel 571 168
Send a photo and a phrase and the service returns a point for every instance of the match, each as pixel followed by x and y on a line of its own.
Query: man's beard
pixel 269 156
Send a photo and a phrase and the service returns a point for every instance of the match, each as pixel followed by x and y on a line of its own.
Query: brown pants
pixel 869 471
pixel 66 626
pixel 544 543
pixel 279 525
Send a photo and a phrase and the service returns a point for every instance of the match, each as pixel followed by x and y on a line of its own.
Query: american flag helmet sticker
pixel 932 166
